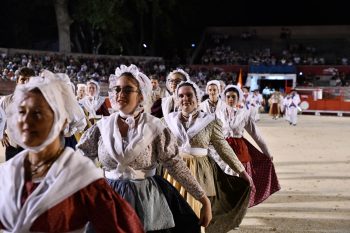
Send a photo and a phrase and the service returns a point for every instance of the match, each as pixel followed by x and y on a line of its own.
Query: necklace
pixel 186 118
pixel 44 166
pixel 135 117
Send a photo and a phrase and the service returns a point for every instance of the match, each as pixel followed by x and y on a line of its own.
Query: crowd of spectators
pixel 83 68
pixel 221 49
pixel 79 69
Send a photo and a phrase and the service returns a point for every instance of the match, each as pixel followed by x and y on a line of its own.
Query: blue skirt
pixel 158 204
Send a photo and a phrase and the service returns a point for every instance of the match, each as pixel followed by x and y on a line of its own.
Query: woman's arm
pixel 223 148
pixel 226 153
pixel 253 131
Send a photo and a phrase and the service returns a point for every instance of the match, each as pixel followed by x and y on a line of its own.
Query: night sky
pixel 200 14
pixel 264 12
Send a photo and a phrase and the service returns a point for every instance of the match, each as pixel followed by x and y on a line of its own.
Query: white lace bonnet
pixel 142 79
pixel 58 93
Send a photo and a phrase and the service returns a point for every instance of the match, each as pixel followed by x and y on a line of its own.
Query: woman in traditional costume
pixel 237 119
pixel 213 104
pixel 129 144
pixel 94 105
pixel 275 101
pixel 49 187
pixel 166 105
pixel 195 131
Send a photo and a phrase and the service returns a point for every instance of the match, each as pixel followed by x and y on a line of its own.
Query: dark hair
pixel 232 89
pixel 132 78
pixel 27 72
pixel 204 97
pixel 154 77
pixel 36 91
pixel 185 84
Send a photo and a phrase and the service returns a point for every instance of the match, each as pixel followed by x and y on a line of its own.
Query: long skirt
pixel 158 204
pixel 229 195
pixel 274 109
pixel 260 168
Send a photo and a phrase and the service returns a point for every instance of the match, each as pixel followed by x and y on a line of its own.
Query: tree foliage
pixel 122 26
pixel 101 26
pixel 98 23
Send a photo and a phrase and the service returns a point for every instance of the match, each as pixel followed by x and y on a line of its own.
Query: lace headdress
pixel 97 86
pixel 213 82
pixel 144 84
pixel 197 90
pixel 58 93
pixel 177 71
pixel 240 93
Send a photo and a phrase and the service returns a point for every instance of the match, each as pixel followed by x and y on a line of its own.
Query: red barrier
pixel 325 99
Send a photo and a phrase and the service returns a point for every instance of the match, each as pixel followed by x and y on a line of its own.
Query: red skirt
pixel 240 148
pixel 261 170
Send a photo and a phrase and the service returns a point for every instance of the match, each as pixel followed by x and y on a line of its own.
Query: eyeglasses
pixel 126 90
pixel 176 81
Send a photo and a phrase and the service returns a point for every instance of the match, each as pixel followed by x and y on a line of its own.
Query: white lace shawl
pixel 142 135
pixel 233 120
pixel 205 106
pixel 92 104
pixel 183 135
pixel 68 174
pixel 168 105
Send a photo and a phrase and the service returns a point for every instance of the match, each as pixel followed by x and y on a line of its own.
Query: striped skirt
pixel 229 195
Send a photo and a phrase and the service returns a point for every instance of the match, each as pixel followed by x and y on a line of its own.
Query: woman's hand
pixel 5 142
pixel 205 215
pixel 246 177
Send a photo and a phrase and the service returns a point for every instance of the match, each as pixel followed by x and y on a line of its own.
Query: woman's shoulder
pixel 150 118
pixel 216 123
pixel 206 115
pixel 154 122
pixel 210 120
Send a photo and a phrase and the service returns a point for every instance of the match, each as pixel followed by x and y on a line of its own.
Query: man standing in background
pixel 157 91
pixel 11 148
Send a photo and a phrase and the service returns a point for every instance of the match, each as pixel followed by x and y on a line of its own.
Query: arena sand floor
pixel 312 162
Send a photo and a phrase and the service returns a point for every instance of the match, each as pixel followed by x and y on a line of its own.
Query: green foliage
pixel 126 24
pixel 117 26
pixel 102 17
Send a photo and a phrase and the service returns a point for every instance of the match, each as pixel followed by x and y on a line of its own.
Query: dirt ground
pixel 312 161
